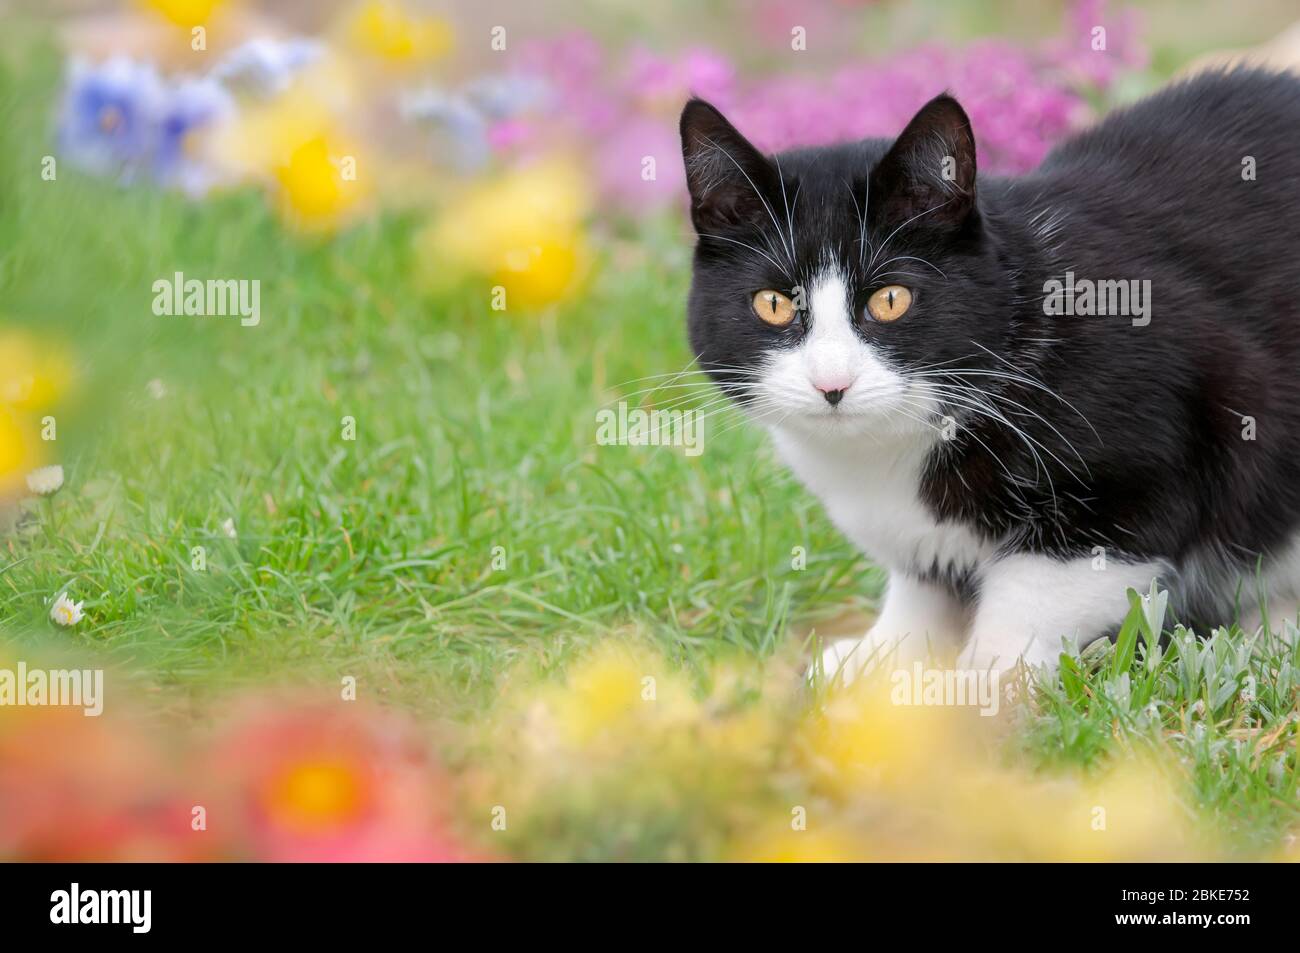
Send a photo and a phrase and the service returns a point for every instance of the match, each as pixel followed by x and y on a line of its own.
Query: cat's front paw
pixel 846 660
pixel 843 661
pixel 994 655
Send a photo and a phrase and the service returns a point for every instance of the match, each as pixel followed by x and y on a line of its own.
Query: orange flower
pixel 314 796
pixel 333 783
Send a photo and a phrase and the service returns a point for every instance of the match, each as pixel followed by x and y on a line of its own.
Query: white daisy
pixel 65 611
pixel 45 480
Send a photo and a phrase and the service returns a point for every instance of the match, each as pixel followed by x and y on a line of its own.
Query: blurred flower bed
pixel 376 110
pixel 619 758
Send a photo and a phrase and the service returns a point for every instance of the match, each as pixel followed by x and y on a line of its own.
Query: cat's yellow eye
pixel 774 308
pixel 889 303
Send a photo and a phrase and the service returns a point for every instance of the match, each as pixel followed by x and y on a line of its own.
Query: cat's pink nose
pixel 827 384
pixel 833 388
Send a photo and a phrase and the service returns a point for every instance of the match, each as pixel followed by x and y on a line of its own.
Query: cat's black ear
pixel 729 180
pixel 928 175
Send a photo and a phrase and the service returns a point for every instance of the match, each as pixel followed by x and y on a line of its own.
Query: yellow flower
pixel 19 450
pixel 785 845
pixel 387 31
pixel 32 377
pixel 311 188
pixel 522 232
pixel 541 274
pixel 862 740
pixel 601 692
pixel 296 146
pixel 185 13
pixel 1128 814
pixel 617 698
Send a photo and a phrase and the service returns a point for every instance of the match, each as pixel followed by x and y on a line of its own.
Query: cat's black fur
pixel 1140 428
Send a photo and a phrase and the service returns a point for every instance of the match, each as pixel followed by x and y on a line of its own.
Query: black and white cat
pixel 925 347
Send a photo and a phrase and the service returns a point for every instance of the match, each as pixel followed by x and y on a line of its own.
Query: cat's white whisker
pixel 871 263
pixel 772 215
pixel 724 238
pixel 907 258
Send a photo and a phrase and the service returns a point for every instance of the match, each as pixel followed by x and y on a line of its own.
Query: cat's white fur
pixel 1281 594
pixel 863 459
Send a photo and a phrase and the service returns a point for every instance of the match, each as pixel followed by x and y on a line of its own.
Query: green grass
pixel 1224 707
pixel 474 429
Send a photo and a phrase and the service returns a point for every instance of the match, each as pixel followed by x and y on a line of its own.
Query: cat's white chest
pixel 871 492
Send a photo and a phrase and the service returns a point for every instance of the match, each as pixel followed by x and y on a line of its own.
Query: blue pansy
pixel 108 123
pixel 122 120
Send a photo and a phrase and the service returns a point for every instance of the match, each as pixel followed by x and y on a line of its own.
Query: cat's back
pixel 1206 122
pixel 1195 187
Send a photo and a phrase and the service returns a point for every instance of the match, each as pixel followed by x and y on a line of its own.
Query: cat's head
pixel 830 283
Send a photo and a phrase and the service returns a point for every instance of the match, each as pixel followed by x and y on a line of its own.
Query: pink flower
pixel 509 134
pixel 1021 99
pixel 639 163
pixel 709 75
